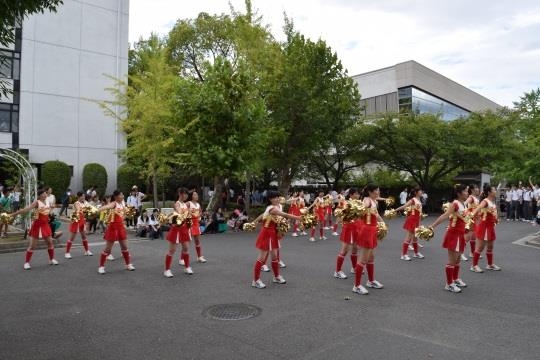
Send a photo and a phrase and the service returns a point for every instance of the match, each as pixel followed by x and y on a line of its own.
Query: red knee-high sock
pixel 275 267
pixel 68 246
pixel 339 261
pixel 354 260
pixel 415 247
pixel 198 250
pixel 404 248
pixel 476 257
pixel 295 227
pixel 335 227
pixel 257 270
pixel 125 254
pixel 330 222
pixel 168 261
pixel 103 258
pixel 321 231
pixel 449 274
pixel 489 256
pixel 472 243
pixel 370 266
pixel 312 232
pixel 51 253
pixel 358 270
pixel 85 244
pixel 28 255
pixel 456 272
pixel 185 257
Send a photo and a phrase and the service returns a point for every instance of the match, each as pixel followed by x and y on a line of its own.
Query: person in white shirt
pixel 515 203
pixel 508 199
pixel 153 225
pixel 142 224
pixel 51 199
pixel 403 196
pixel 527 198
pixel 519 209
pixel 132 201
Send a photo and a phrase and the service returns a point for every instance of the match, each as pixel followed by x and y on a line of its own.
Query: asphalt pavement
pixel 69 311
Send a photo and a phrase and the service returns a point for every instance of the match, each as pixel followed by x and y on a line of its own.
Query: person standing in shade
pixel 16 198
pixel 403 197
pixel 65 202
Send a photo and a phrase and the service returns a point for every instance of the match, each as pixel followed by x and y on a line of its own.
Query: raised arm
pixel 275 211
pixel 26 209
pixel 109 206
pixel 402 207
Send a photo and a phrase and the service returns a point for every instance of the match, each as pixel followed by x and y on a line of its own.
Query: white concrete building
pixel 64 59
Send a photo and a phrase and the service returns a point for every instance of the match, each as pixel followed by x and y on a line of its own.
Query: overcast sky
pixel 492 47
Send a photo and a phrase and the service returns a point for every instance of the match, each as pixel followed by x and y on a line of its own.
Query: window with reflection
pixel 414 100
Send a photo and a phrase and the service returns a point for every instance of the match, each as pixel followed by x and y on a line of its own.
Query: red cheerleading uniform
pixel 40 227
pixel 486 227
pixel 471 207
pixel 454 239
pixel 367 233
pixel 414 215
pixel 179 233
pixel 320 209
pixel 268 238
pixel 349 232
pixel 294 209
pixel 195 209
pixel 78 226
pixel 116 230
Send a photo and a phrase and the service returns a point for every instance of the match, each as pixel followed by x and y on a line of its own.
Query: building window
pixel 415 100
pixel 9 117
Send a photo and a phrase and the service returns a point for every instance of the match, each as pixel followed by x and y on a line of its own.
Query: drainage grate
pixel 232 311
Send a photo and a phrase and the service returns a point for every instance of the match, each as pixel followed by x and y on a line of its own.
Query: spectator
pixel 519 209
pixel 213 225
pixel 132 201
pixel 65 202
pixel 515 204
pixel 154 231
pixel 51 199
pixel 527 198
pixel 5 206
pixel 403 196
pixel 142 224
pixel 508 200
pixel 139 196
pixel 240 201
pixel 92 222
pixel 16 198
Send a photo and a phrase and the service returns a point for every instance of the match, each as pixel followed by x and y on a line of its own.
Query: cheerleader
pixel 301 205
pixel 328 211
pixel 454 239
pixel 116 231
pixel 195 231
pixel 40 228
pixel 485 231
pixel 320 207
pixel 348 238
pixel 268 241
pixel 179 234
pixel 367 240
pixel 339 205
pixel 472 203
pixel 413 209
pixel 78 227
pixel 294 209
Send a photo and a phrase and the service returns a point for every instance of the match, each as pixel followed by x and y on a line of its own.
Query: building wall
pixel 65 59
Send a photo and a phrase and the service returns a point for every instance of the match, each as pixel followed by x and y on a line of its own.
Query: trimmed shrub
pixel 95 174
pixel 57 175
pixel 126 177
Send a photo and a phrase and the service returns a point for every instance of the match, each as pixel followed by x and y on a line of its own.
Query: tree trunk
pixel 215 200
pixel 247 194
pixel 154 189
pixel 284 182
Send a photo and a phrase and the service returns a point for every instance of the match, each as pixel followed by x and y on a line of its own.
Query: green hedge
pixel 127 176
pixel 57 175
pixel 95 174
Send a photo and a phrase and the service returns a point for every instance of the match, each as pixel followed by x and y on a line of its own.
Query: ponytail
pixel 352 191
pixel 369 188
pixel 458 189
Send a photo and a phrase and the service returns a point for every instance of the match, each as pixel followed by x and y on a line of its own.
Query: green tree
pixel 127 175
pixel 11 12
pixel 95 174
pixel 56 174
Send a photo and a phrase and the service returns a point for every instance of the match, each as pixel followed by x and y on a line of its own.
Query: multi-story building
pixel 59 68
pixel 410 86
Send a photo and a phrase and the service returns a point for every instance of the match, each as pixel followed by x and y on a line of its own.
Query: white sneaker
pixel 493 267
pixel 201 259
pixel 67 256
pixel 326 228
pixel 258 284
pixel 405 257
pixel 279 280
pixel 335 233
pixel 418 256
pixel 411 248
pixel 460 283
pixel 181 262
pixel 53 262
pixel 27 266
pixel 88 253
pixel 476 269
pixel 303 233
pixel 353 271
pixel 101 270
pixel 464 258
pixel 168 274
pixel 340 275
pixel 374 284
pixel 360 290
pixel 110 257
pixel 294 234
pixel 188 271
pixel 265 268
pixel 282 264
pixel 452 288
pixel 323 238
pixel 420 245
pixel 312 239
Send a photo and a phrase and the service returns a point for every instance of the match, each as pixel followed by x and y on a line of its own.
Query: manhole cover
pixel 232 311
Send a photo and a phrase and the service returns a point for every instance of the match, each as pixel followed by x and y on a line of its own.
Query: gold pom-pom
pixel 163 219
pixel 390 213
pixel 424 216
pixel 445 206
pixel 469 223
pixel 282 200
pixel 382 230
pixel 181 219
pixel 249 226
pixel 424 233
pixel 90 212
pixel 74 217
pixel 108 217
pixel 282 225
pixel 308 221
pixel 130 211
pixel 390 201
pixel 5 218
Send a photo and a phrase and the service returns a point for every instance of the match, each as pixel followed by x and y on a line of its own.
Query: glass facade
pixel 10 71
pixel 413 100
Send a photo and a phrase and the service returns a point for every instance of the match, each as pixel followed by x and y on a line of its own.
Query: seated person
pixel 142 224
pixel 154 229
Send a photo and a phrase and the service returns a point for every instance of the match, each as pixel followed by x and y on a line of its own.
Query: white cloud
pixel 490 47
